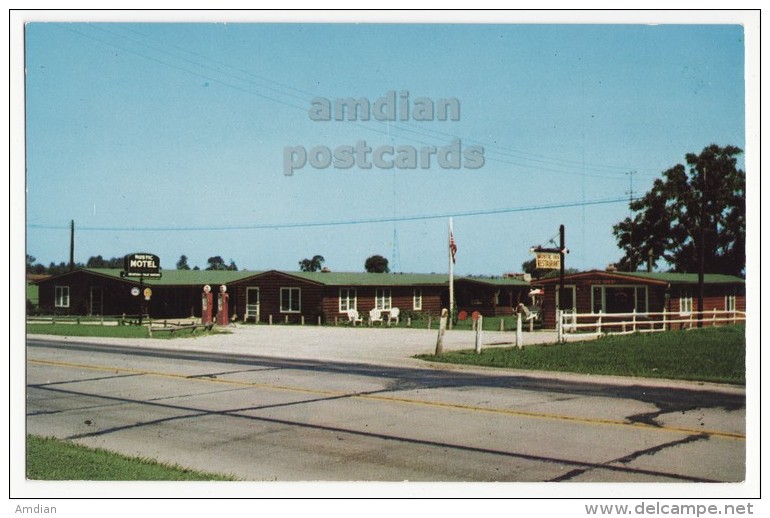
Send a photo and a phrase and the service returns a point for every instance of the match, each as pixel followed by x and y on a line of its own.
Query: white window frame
pixel 730 303
pixel 382 298
pixel 685 305
pixel 287 300
pixel 348 299
pixel 603 289
pixel 61 296
pixel 417 299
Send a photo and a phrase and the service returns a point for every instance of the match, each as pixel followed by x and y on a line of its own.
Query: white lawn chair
pixel 375 315
pixel 353 317
pixel 393 315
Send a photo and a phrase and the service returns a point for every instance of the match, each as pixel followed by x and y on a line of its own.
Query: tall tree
pixel 311 265
pixel 377 264
pixel 181 264
pixel 696 210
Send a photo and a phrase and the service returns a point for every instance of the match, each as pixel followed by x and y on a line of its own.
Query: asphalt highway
pixel 273 405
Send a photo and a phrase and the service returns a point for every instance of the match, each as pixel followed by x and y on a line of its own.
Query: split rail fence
pixel 569 322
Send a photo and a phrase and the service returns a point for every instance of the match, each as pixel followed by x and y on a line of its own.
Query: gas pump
pixel 222 306
pixel 207 304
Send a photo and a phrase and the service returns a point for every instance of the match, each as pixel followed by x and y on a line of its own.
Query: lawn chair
pixel 353 317
pixel 375 315
pixel 393 315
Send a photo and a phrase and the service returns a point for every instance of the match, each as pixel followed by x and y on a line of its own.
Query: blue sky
pixel 170 138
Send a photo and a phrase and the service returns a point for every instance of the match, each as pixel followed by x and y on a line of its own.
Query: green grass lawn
pixel 711 354
pixel 129 331
pixel 54 459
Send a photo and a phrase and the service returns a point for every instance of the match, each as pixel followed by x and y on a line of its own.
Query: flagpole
pixel 451 277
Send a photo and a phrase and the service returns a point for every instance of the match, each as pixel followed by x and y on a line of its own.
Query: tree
pixel 99 262
pixel 181 264
pixel 376 264
pixel 216 263
pixel 311 265
pixel 694 213
pixel 531 268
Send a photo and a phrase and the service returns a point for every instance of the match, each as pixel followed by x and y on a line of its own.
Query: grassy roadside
pixel 54 459
pixel 712 354
pixel 109 331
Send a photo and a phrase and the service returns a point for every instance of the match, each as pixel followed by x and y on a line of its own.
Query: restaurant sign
pixel 548 260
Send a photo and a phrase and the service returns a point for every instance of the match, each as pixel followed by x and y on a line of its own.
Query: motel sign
pixel 141 265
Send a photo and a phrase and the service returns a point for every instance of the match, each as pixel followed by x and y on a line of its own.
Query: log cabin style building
pixel 625 292
pixel 263 296
pixel 293 297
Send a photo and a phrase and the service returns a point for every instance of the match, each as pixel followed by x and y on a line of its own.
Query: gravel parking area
pixel 382 345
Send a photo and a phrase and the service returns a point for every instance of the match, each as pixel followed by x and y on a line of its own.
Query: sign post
pixel 552 259
pixel 141 265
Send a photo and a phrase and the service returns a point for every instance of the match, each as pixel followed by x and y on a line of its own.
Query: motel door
pixel 95 301
pixel 570 298
pixel 252 304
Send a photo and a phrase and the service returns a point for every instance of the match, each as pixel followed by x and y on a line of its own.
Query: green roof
pixel 180 277
pixel 496 281
pixel 685 278
pixel 657 277
pixel 372 279
pixel 218 277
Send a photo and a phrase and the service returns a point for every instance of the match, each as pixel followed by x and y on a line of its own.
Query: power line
pixel 484 212
pixel 403 126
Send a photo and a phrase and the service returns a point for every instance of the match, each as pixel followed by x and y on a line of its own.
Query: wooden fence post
pixel 441 330
pixel 479 333
pixel 599 323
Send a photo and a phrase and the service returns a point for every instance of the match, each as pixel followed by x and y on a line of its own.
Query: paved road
pixel 305 404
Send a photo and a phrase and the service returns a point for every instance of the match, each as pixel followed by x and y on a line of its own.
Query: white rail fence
pixel 627 323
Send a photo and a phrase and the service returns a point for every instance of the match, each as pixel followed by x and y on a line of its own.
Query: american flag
pixel 452 246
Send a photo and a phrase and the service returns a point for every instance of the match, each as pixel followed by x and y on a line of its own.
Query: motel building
pixel 274 296
pixel 326 297
pixel 670 296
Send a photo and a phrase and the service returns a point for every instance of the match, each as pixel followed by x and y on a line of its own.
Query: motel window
pixel 62 294
pixel 348 299
pixel 417 299
pixel 382 298
pixel 685 305
pixel 730 303
pixel 597 299
pixel 290 300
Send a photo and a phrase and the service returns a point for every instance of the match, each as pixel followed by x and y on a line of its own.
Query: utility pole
pixel 72 245
pixel 630 213
pixel 702 248
pixel 562 257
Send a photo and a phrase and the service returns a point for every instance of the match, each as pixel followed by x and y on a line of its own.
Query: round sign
pixel 135 291
pixel 147 293
pixel 207 289
pixel 222 288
